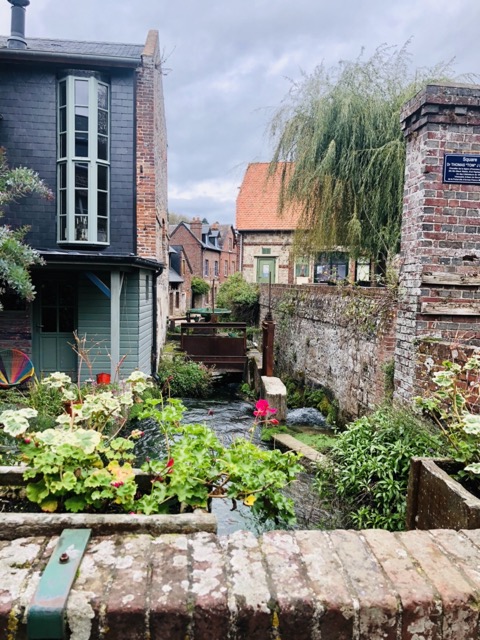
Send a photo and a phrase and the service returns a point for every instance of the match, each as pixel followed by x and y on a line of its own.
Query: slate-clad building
pixel 89 118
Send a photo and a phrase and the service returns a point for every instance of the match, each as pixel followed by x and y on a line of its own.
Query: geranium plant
pixel 454 406
pixel 87 462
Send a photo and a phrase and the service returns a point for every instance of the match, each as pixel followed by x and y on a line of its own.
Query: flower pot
pixel 103 378
pixel 19 525
pixel 436 501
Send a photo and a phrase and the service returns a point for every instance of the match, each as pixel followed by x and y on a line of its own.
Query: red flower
pixel 170 465
pixel 263 409
pixel 274 421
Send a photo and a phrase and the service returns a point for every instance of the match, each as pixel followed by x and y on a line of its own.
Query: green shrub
pixel 241 297
pixel 182 378
pixel 199 286
pixel 370 466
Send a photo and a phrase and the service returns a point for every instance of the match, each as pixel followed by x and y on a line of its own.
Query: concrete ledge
pixel 285 441
pixel 304 585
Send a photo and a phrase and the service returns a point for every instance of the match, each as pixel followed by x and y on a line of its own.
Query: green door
pixel 265 267
pixel 55 320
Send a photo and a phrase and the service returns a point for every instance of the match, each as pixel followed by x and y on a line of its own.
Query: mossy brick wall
pixel 337 337
pixel 303 585
pixel 440 244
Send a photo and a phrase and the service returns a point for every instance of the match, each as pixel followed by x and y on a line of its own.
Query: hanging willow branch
pixel 341 129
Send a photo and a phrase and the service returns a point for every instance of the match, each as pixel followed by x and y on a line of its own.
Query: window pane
pixel 102 148
pixel 62 122
pixel 81 145
pixel 81 175
pixel 66 319
pixel 102 178
pixel 81 118
pixel 62 94
pixel 81 202
pixel 49 320
pixel 102 230
pixel 66 295
pixel 62 175
pixel 102 122
pixel 63 202
pixel 62 152
pixel 102 203
pixel 81 92
pixel 49 295
pixel 81 228
pixel 102 96
pixel 63 227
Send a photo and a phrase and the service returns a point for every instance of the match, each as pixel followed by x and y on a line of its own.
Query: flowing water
pixel 231 418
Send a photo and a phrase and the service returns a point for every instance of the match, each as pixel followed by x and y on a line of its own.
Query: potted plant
pixel 445 493
pixel 85 465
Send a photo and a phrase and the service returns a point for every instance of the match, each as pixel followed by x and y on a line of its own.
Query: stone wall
pixel 337 337
pixel 302 585
pixel 279 243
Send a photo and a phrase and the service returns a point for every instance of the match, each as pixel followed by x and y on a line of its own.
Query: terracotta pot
pixel 103 378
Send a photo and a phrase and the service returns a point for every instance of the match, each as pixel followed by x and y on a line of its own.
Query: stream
pixel 230 418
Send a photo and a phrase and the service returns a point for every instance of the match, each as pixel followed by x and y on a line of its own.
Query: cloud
pixel 231 62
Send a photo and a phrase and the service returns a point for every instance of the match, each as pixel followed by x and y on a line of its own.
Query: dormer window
pixel 83 160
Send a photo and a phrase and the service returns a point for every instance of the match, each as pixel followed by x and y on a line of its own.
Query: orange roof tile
pixel 257 201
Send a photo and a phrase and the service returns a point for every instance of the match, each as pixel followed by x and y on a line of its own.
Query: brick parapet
pixel 298 585
pixel 440 227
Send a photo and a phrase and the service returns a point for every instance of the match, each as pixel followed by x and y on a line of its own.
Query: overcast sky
pixel 229 64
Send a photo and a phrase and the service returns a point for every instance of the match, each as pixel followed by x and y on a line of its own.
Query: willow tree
pixel 341 130
pixel 16 257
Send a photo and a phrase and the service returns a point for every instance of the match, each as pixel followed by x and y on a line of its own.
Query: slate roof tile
pixel 72 47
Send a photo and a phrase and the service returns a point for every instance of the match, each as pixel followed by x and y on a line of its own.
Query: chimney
pixel 17 35
pixel 196 228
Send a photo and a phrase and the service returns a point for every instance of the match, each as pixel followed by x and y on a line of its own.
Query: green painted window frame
pixel 79 177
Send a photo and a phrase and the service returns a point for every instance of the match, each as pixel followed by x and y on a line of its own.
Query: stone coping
pixel 303 585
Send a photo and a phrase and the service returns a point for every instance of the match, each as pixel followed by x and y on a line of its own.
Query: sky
pixel 228 65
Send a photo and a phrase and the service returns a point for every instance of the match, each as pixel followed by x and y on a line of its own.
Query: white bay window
pixel 83 160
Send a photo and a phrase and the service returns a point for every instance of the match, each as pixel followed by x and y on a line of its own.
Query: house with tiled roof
pixel 211 249
pixel 265 235
pixel 89 118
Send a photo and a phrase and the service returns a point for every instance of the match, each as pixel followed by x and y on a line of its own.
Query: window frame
pixel 71 164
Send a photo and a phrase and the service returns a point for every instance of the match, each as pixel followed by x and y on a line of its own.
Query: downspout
pixel 154 353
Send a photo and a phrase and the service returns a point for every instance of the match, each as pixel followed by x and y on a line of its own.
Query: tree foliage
pixel 15 256
pixel 341 129
pixel 199 286
pixel 241 297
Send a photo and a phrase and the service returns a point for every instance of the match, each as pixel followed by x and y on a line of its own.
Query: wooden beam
pixel 452 279
pixel 444 309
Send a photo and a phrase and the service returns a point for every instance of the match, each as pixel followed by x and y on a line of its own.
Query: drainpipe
pixel 17 31
pixel 154 353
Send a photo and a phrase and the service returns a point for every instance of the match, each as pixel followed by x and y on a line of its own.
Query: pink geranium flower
pixel 263 409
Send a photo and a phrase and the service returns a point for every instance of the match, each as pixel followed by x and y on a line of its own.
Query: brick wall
pixel 151 171
pixel 440 251
pixel 338 337
pixel 302 585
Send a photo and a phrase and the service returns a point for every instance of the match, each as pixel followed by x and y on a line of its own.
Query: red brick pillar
pixel 440 246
